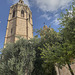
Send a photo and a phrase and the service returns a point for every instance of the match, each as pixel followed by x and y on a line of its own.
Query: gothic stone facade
pixel 19 22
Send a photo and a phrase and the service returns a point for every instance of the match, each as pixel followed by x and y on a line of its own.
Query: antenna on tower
pixel 44 23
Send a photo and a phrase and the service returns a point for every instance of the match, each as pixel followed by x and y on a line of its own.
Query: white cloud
pixel 46 16
pixel 70 13
pixel 52 5
pixel 47 5
pixel 56 15
pixel 55 22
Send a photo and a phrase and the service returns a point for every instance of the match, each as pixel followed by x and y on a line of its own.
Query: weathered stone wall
pixel 19 25
pixel 65 70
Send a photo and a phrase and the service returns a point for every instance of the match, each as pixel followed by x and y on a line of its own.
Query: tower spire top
pixel 21 1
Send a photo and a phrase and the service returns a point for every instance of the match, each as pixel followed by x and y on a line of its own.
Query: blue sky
pixel 43 11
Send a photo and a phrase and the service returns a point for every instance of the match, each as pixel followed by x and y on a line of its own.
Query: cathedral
pixel 19 23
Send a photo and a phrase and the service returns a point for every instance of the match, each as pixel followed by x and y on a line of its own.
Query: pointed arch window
pixel 22 13
pixel 13 14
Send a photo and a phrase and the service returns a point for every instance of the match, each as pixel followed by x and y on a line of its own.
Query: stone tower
pixel 19 22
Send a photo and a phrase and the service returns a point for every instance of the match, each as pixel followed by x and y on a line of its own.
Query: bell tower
pixel 19 22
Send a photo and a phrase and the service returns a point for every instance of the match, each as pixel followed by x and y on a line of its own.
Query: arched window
pixel 22 13
pixel 13 14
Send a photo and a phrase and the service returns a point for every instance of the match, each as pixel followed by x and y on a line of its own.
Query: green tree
pixel 67 31
pixel 40 68
pixel 49 36
pixel 17 58
pixel 60 47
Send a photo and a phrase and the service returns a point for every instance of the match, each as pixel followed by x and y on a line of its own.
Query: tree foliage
pixel 17 58
pixel 47 35
pixel 60 47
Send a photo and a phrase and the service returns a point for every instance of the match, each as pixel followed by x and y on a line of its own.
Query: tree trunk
pixel 70 69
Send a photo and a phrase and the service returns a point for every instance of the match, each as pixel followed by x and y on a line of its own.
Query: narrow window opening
pixel 11 30
pixel 29 17
pixel 22 13
pixel 13 13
